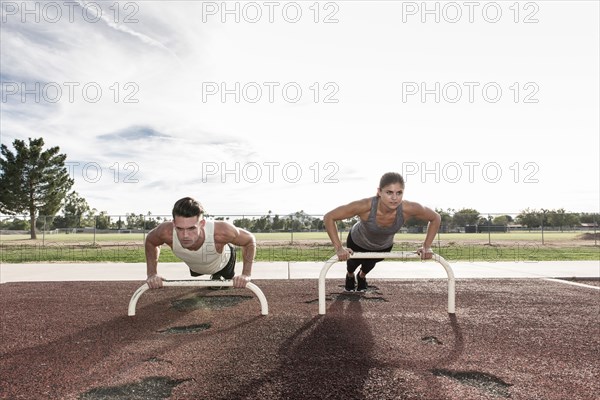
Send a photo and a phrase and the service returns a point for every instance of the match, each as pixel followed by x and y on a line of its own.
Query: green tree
pixel 150 222
pixel 262 224
pixel 278 223
pixel 244 223
pixel 502 220
pixel 589 218
pixel 347 224
pixel 136 221
pixel 296 225
pixel 446 219
pixel 317 224
pixel 89 219
pixel 102 220
pixel 561 219
pixel 15 225
pixel 412 222
pixel 299 221
pixel 466 216
pixel 529 218
pixel 74 207
pixel 33 180
pixel 484 221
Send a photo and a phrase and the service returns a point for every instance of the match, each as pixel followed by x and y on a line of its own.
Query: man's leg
pixel 228 271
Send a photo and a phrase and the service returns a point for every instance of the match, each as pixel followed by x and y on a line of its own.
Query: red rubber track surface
pixel 517 339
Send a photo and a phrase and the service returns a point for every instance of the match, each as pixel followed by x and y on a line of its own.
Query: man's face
pixel 391 195
pixel 188 230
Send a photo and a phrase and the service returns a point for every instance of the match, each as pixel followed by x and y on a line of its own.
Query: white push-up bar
pixel 396 254
pixel 264 306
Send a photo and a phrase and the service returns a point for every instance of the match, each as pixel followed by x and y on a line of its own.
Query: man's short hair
pixel 187 207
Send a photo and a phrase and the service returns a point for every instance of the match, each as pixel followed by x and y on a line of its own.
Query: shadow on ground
pixel 518 339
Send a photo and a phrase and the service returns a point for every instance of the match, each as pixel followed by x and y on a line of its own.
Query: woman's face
pixel 391 195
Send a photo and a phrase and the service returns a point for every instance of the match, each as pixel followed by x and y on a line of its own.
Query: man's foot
pixel 217 278
pixel 362 283
pixel 350 283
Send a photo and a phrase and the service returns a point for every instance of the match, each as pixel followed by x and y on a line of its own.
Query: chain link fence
pixel 120 238
pixel 102 227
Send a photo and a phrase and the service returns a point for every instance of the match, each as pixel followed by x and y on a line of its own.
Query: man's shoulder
pixel 220 222
pixel 222 226
pixel 164 229
pixel 167 226
pixel 224 231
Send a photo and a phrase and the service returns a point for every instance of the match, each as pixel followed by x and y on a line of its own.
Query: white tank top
pixel 205 260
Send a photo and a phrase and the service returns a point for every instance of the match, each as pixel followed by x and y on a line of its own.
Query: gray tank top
pixel 370 236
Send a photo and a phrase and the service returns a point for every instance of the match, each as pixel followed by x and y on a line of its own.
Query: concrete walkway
pixel 46 272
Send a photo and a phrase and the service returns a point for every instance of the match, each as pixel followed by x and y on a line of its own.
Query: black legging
pixel 367 263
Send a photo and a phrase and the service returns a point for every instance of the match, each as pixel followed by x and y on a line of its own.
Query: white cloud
pixel 155 116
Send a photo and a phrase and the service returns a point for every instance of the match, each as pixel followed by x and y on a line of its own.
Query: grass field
pixel 306 246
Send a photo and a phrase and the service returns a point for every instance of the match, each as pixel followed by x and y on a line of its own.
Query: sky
pixel 283 106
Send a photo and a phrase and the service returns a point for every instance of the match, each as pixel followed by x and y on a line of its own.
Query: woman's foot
pixel 350 283
pixel 362 282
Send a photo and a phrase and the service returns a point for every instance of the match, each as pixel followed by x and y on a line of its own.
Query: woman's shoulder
pixel 411 207
pixel 364 204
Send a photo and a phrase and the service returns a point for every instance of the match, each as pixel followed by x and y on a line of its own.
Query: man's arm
pixel 228 233
pixel 155 238
pixel 425 214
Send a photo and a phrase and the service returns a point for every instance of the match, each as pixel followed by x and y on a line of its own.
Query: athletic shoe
pixel 362 283
pixel 350 283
